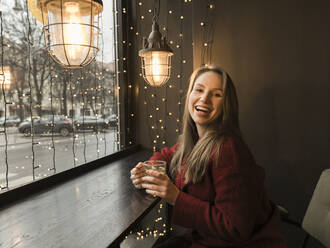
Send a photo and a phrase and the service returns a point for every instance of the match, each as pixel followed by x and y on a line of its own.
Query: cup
pixel 155 165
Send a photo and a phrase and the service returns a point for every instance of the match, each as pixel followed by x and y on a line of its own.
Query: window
pixel 74 112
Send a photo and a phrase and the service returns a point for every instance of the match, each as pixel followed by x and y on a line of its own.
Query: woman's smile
pixel 202 111
pixel 205 100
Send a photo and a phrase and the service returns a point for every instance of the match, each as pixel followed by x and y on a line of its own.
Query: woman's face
pixel 205 100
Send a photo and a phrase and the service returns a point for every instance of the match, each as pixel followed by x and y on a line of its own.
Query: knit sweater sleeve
pixel 238 185
pixel 165 154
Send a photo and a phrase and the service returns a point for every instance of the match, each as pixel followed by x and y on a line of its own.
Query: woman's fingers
pixel 153 189
pixel 158 184
pixel 154 193
pixel 155 174
pixel 138 186
pixel 139 165
pixel 137 175
pixel 137 169
pixel 138 181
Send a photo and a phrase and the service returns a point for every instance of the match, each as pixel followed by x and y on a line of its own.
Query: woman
pixel 218 192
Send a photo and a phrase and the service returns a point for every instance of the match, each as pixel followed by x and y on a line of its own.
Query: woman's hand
pixel 136 175
pixel 158 184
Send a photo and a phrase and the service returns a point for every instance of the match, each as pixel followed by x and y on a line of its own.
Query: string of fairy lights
pixel 116 83
pixel 52 147
pixel 158 101
pixel 72 111
pixel 158 110
pixel 5 101
pixel 152 95
pixel 33 143
pixel 207 31
pixel 101 77
pixel 93 90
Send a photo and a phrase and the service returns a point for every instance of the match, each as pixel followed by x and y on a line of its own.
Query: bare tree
pixel 26 55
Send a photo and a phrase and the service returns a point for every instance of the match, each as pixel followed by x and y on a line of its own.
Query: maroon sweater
pixel 229 207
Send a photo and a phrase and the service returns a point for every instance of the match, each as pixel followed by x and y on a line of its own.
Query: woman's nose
pixel 205 97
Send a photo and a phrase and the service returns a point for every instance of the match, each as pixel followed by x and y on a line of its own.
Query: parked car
pixel 11 121
pixel 91 123
pixel 112 120
pixel 43 125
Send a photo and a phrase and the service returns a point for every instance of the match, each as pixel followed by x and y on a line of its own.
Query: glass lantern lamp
pixel 71 29
pixel 156 57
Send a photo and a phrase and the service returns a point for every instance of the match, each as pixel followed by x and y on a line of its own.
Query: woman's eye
pixel 199 90
pixel 217 95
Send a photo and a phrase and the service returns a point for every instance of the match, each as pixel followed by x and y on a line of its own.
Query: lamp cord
pixel 5 100
pixel 156 10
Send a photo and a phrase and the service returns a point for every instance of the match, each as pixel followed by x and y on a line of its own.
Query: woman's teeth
pixel 202 109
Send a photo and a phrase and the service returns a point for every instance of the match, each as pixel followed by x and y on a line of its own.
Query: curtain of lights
pixel 70 116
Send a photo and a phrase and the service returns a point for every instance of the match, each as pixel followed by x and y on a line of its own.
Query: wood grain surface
pixel 93 210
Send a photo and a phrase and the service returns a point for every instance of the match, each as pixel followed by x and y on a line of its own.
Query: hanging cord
pixel 82 93
pixel 116 78
pixel 51 105
pixel 129 88
pixel 30 87
pixel 148 114
pixel 207 35
pixel 5 101
pixel 72 111
pixel 156 132
pixel 204 43
pixel 181 72
pixel 53 114
pixel 156 121
pixel 153 125
pixel 98 128
pixel 166 88
pixel 210 34
pixel 101 77
pixel 156 10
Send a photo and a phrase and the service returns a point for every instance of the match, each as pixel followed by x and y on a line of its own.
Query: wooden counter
pixel 96 209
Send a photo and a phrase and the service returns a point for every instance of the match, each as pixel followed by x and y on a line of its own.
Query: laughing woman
pixel 218 190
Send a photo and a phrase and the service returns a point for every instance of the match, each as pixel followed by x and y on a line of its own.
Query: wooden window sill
pixel 94 209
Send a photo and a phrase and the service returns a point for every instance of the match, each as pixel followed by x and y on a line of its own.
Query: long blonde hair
pixel 194 152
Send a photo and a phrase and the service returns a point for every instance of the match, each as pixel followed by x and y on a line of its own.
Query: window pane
pixel 74 112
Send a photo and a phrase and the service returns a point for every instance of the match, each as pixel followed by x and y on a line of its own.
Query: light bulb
pixel 156 67
pixel 72 38
pixel 73 31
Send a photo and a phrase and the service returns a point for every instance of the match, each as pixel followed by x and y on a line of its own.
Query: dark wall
pixel 277 53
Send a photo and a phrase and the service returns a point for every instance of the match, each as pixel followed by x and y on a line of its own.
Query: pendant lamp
pixel 70 28
pixel 156 56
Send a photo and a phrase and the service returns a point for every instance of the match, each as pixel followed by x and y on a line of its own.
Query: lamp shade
pixel 156 58
pixel 71 29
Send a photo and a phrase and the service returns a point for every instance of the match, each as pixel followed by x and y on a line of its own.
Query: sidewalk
pixel 16 138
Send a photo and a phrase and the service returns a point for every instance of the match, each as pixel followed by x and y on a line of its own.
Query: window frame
pixel 124 148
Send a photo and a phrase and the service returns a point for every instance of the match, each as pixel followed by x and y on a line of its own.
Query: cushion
pixel 317 218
